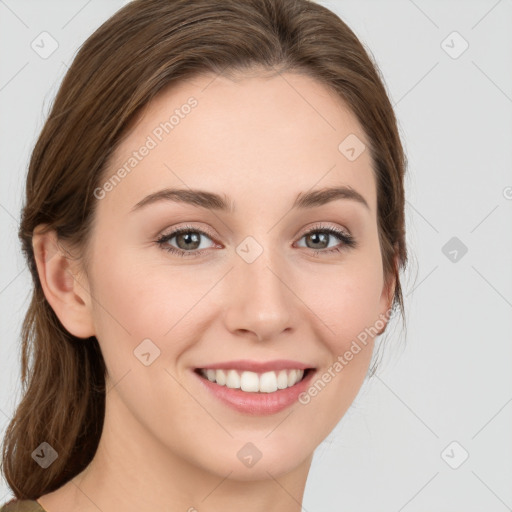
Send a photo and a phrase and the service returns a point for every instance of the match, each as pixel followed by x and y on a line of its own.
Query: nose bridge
pixel 260 300
pixel 262 279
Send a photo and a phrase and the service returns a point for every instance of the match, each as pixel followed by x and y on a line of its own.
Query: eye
pixel 188 240
pixel 321 236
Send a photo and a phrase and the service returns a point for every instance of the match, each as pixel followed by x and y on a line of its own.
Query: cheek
pixel 346 299
pixel 147 298
pixel 134 291
pixel 346 306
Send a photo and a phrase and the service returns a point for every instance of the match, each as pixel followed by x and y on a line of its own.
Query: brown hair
pixel 144 47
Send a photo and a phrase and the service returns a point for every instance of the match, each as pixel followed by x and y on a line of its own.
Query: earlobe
pixel 65 292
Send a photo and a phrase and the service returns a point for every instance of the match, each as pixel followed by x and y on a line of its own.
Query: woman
pixel 214 222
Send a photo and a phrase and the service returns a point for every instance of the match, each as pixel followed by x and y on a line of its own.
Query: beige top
pixel 16 505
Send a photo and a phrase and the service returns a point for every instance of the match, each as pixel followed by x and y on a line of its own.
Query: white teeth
pixel 249 381
pixel 233 379
pixel 292 377
pixel 268 382
pixel 253 382
pixel 220 377
pixel 282 380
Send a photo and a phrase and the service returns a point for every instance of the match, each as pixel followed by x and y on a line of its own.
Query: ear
pixel 388 294
pixel 65 289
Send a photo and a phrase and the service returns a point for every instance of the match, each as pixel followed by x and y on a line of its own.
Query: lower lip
pixel 257 403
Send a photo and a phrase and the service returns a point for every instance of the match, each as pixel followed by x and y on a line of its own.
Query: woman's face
pixel 261 280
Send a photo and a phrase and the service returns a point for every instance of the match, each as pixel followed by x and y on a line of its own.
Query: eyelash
pixel 347 240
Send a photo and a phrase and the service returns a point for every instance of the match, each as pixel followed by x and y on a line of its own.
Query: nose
pixel 261 301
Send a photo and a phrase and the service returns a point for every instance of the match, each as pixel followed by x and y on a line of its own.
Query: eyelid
pixel 319 226
pixel 188 227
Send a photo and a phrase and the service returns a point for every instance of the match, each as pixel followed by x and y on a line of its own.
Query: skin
pixel 166 443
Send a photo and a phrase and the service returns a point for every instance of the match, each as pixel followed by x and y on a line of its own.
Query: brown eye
pixel 318 240
pixel 188 241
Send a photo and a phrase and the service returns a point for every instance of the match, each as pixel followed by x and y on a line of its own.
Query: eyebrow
pixel 213 201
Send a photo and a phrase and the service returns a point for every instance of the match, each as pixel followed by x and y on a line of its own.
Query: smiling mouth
pixel 255 382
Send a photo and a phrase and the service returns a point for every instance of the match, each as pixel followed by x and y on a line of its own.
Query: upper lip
pixel 257 366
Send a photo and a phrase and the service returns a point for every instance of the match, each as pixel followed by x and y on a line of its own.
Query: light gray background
pixel 453 381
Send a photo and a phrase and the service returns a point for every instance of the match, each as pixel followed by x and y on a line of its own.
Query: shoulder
pixel 15 505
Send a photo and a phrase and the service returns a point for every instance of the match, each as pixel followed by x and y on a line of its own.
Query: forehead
pixel 270 135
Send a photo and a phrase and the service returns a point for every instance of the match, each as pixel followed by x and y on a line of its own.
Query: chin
pixel 259 460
